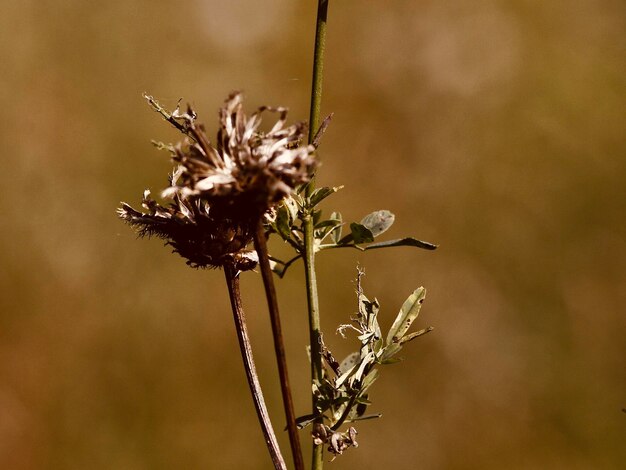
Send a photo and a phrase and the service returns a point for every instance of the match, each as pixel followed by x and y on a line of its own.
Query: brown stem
pixel 260 244
pixel 232 280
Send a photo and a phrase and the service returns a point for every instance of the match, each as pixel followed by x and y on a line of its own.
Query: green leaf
pixel 327 223
pixel 317 216
pixel 336 234
pixel 304 421
pixel 283 222
pixel 292 206
pixel 360 233
pixel 378 222
pixel 407 315
pixel 320 194
pixel 391 360
pixel 363 418
pixel 409 241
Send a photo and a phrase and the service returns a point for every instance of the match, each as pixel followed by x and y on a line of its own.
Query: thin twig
pixel 260 245
pixel 232 280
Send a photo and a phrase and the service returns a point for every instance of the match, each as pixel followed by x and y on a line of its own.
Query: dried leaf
pixel 349 362
pixel 417 334
pixel 378 222
pixel 408 313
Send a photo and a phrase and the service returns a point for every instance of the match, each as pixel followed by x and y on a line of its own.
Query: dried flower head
pixel 337 441
pixel 248 171
pixel 193 232
pixel 219 193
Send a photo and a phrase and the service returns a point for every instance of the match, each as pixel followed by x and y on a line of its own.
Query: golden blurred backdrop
pixel 493 128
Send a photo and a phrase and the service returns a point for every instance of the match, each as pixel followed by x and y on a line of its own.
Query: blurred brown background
pixel 494 128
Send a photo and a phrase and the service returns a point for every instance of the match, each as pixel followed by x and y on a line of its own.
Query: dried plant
pixel 250 185
pixel 190 228
pixel 248 171
pixel 218 197
pixel 219 193
pixel 342 395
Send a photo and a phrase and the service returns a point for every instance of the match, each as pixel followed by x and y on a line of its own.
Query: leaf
pixel 278 270
pixel 304 421
pixel 363 418
pixel 327 223
pixel 342 378
pixel 389 351
pixel 412 336
pixel 409 241
pixel 378 222
pixel 324 227
pixel 360 233
pixel 369 379
pixel 391 360
pixel 320 194
pixel 283 222
pixel 408 313
pixel 317 216
pixel 349 362
pixel 358 375
pixel 292 206
pixel 336 234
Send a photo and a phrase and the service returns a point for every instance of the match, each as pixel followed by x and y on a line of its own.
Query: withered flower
pixel 249 170
pixel 188 226
pixel 337 441
pixel 219 193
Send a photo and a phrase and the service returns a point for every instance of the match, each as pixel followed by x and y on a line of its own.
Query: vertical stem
pixel 309 238
pixel 232 281
pixel 260 245
pixel 318 68
pixel 314 328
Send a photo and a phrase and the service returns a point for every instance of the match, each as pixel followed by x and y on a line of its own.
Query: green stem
pixel 260 245
pixel 318 69
pixel 232 280
pixel 309 238
pixel 314 328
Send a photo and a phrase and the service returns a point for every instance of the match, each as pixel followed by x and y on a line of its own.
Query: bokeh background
pixel 494 128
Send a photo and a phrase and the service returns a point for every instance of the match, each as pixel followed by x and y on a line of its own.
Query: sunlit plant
pixel 225 198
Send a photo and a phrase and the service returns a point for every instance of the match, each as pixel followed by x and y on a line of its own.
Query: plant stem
pixel 314 328
pixel 309 238
pixel 318 68
pixel 260 245
pixel 232 281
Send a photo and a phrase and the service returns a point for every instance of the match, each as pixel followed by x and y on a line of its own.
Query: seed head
pixel 248 171
pixel 218 193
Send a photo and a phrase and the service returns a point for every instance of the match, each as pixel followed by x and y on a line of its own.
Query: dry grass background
pixel 494 128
